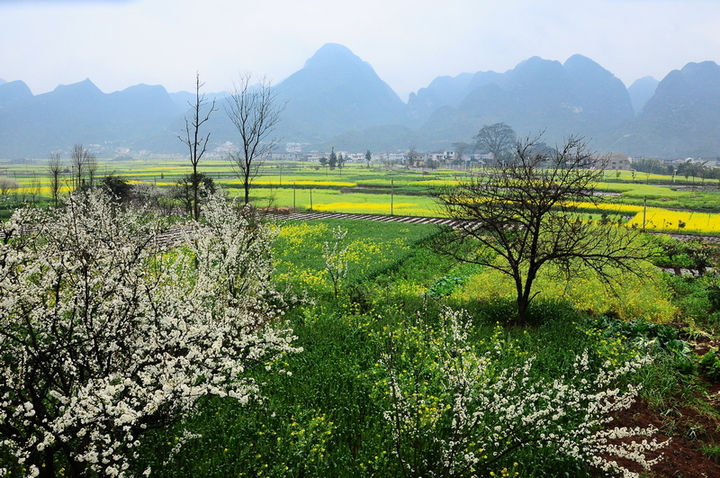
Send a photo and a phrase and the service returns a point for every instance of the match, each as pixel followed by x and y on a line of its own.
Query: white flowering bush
pixel 457 411
pixel 335 255
pixel 108 332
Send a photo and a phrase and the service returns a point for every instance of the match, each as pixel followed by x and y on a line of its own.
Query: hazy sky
pixel 120 43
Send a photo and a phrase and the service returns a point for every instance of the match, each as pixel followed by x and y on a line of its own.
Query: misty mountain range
pixel 338 100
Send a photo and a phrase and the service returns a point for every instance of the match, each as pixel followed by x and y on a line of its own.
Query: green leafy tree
pixel 497 139
pixel 332 162
pixel 117 186
pixel 185 190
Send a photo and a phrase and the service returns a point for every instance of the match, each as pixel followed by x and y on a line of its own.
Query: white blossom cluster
pixel 105 335
pixel 335 255
pixel 484 412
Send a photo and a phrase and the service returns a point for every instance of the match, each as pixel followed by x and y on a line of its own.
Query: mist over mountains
pixel 338 100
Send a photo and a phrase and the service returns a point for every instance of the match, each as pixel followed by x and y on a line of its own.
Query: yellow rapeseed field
pixel 607 207
pixel 676 221
pixel 403 208
pixel 299 183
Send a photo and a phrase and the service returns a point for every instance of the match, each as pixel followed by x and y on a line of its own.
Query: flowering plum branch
pixel 106 333
pixel 335 255
pixel 454 412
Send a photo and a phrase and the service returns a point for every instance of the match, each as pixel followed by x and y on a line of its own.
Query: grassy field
pixel 368 396
pixel 332 414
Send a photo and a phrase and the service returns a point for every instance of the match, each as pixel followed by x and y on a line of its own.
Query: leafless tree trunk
pixel 79 159
pixel 520 217
pixel 196 142
pixel 55 169
pixel 35 188
pixel 91 166
pixel 255 114
pixel 411 156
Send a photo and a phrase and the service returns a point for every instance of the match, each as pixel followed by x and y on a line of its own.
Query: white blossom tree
pixel 107 331
pixel 476 414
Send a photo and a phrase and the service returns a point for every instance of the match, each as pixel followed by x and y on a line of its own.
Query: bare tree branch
pixel 522 216
pixel 83 162
pixel 255 114
pixel 55 169
pixel 196 142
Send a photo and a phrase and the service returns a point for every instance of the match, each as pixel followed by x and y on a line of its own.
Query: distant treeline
pixel 687 169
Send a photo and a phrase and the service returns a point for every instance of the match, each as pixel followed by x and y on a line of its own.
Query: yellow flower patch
pixel 677 221
pixel 286 183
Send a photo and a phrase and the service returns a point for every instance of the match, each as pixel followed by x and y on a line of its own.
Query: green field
pixel 331 416
pixel 384 379
pixel 398 191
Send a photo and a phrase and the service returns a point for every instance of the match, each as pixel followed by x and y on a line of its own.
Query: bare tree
pixel 35 188
pixel 520 218
pixel 255 114
pixel 411 156
pixel 55 169
pixel 196 142
pixel 80 159
pixel 91 166
pixel 497 139
pixel 461 150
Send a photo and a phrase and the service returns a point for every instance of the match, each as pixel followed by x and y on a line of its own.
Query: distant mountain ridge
pixel 12 92
pixel 578 97
pixel 682 118
pixel 35 125
pixel 335 92
pixel 337 99
pixel 641 91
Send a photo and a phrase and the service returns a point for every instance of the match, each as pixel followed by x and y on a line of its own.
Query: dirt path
pixel 309 216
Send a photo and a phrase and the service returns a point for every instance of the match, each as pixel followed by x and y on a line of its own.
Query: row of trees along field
pixel 254 112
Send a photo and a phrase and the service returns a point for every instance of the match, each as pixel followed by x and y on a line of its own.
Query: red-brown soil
pixel 688 429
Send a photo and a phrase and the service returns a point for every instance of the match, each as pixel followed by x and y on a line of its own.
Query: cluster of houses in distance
pixel 410 157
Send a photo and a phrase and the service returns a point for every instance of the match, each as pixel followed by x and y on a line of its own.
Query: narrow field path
pixel 309 216
pixel 441 221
